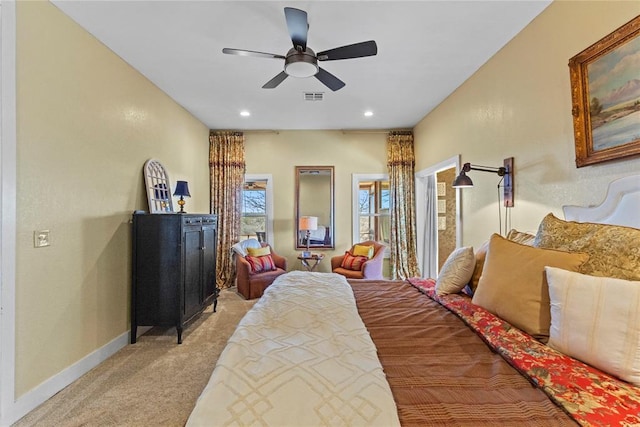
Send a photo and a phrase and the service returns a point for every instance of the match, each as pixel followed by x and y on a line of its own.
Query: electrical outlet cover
pixel 41 238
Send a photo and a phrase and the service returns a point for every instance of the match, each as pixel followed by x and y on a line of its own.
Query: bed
pixel 318 349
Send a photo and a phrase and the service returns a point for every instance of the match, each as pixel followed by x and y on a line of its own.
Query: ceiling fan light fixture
pixel 301 64
pixel 300 60
pixel 301 69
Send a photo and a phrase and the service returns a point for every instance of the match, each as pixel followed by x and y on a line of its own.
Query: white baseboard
pixel 37 396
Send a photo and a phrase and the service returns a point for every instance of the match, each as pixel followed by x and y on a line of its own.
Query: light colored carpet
pixel 154 382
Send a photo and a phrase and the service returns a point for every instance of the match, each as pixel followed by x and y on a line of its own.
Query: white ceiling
pixel 426 49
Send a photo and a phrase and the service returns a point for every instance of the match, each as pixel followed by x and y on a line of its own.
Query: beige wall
pixel 279 153
pixel 86 124
pixel 519 104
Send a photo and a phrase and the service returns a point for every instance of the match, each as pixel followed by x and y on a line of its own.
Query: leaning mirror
pixel 158 186
pixel 314 226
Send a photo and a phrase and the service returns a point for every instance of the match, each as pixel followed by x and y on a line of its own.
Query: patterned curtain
pixel 401 163
pixel 226 168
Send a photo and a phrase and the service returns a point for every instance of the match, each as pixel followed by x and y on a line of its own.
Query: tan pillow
pixel 521 237
pixel 513 235
pixel 480 256
pixel 257 252
pixel 456 271
pixel 513 284
pixel 614 250
pixel 596 320
pixel 363 250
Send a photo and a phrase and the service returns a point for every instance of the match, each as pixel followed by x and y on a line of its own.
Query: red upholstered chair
pixel 371 269
pixel 252 285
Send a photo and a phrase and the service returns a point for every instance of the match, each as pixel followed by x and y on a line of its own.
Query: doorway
pixel 438 224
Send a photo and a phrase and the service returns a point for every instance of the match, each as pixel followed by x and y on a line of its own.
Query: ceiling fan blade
pixel 274 82
pixel 298 27
pixel 356 50
pixel 243 52
pixel 329 80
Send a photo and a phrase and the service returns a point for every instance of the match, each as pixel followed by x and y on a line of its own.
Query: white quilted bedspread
pixel 300 357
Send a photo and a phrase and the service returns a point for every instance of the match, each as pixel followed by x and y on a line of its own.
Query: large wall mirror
pixel 315 224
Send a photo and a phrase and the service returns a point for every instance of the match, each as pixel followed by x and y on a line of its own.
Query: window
pixel 257 208
pixel 371 208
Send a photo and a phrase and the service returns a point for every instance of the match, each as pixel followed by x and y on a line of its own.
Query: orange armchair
pixel 371 269
pixel 252 285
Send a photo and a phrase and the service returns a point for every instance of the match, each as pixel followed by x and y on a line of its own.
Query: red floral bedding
pixel 590 396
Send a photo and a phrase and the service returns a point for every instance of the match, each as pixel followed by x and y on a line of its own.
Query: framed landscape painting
pixel 605 91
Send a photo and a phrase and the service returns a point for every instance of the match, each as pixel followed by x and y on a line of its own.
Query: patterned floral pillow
pixel 353 262
pixel 614 250
pixel 261 263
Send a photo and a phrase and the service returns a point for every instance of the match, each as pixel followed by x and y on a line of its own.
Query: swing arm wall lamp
pixel 506 172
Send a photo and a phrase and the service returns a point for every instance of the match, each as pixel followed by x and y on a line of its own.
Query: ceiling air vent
pixel 313 96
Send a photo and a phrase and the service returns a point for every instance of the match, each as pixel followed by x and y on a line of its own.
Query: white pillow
pixel 241 247
pixel 456 271
pixel 596 320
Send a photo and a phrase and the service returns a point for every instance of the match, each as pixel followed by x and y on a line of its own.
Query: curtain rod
pixel 228 132
pixel 239 132
pixel 376 131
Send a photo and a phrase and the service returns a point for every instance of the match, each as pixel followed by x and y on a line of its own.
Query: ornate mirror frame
pixel 314 196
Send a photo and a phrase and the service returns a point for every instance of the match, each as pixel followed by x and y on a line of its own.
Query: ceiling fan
pixel 301 61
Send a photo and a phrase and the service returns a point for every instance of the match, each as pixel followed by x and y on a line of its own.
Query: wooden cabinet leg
pixel 179 329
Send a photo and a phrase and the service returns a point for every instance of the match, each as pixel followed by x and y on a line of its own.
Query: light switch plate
pixel 41 238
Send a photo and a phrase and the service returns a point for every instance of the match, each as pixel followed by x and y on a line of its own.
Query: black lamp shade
pixel 182 189
pixel 462 181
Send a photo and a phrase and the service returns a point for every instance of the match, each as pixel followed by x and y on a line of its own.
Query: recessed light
pixel 245 113
pixel 368 113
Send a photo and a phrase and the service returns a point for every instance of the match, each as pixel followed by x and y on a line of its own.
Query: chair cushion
pixel 256 252
pixel 363 250
pixel 349 274
pixel 261 263
pixel 353 262
pixel 241 247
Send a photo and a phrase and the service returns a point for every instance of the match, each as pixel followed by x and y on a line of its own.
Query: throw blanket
pixel 440 372
pixel 591 397
pixel 300 356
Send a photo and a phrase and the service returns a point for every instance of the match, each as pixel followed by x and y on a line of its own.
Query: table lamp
pixel 308 223
pixel 182 190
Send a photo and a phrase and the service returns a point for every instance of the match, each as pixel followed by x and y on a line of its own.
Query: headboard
pixel 621 205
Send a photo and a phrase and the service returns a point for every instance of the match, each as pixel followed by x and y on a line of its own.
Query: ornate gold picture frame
pixel 605 91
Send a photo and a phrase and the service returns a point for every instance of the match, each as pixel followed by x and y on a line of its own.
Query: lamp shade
pixel 462 181
pixel 182 189
pixel 308 223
